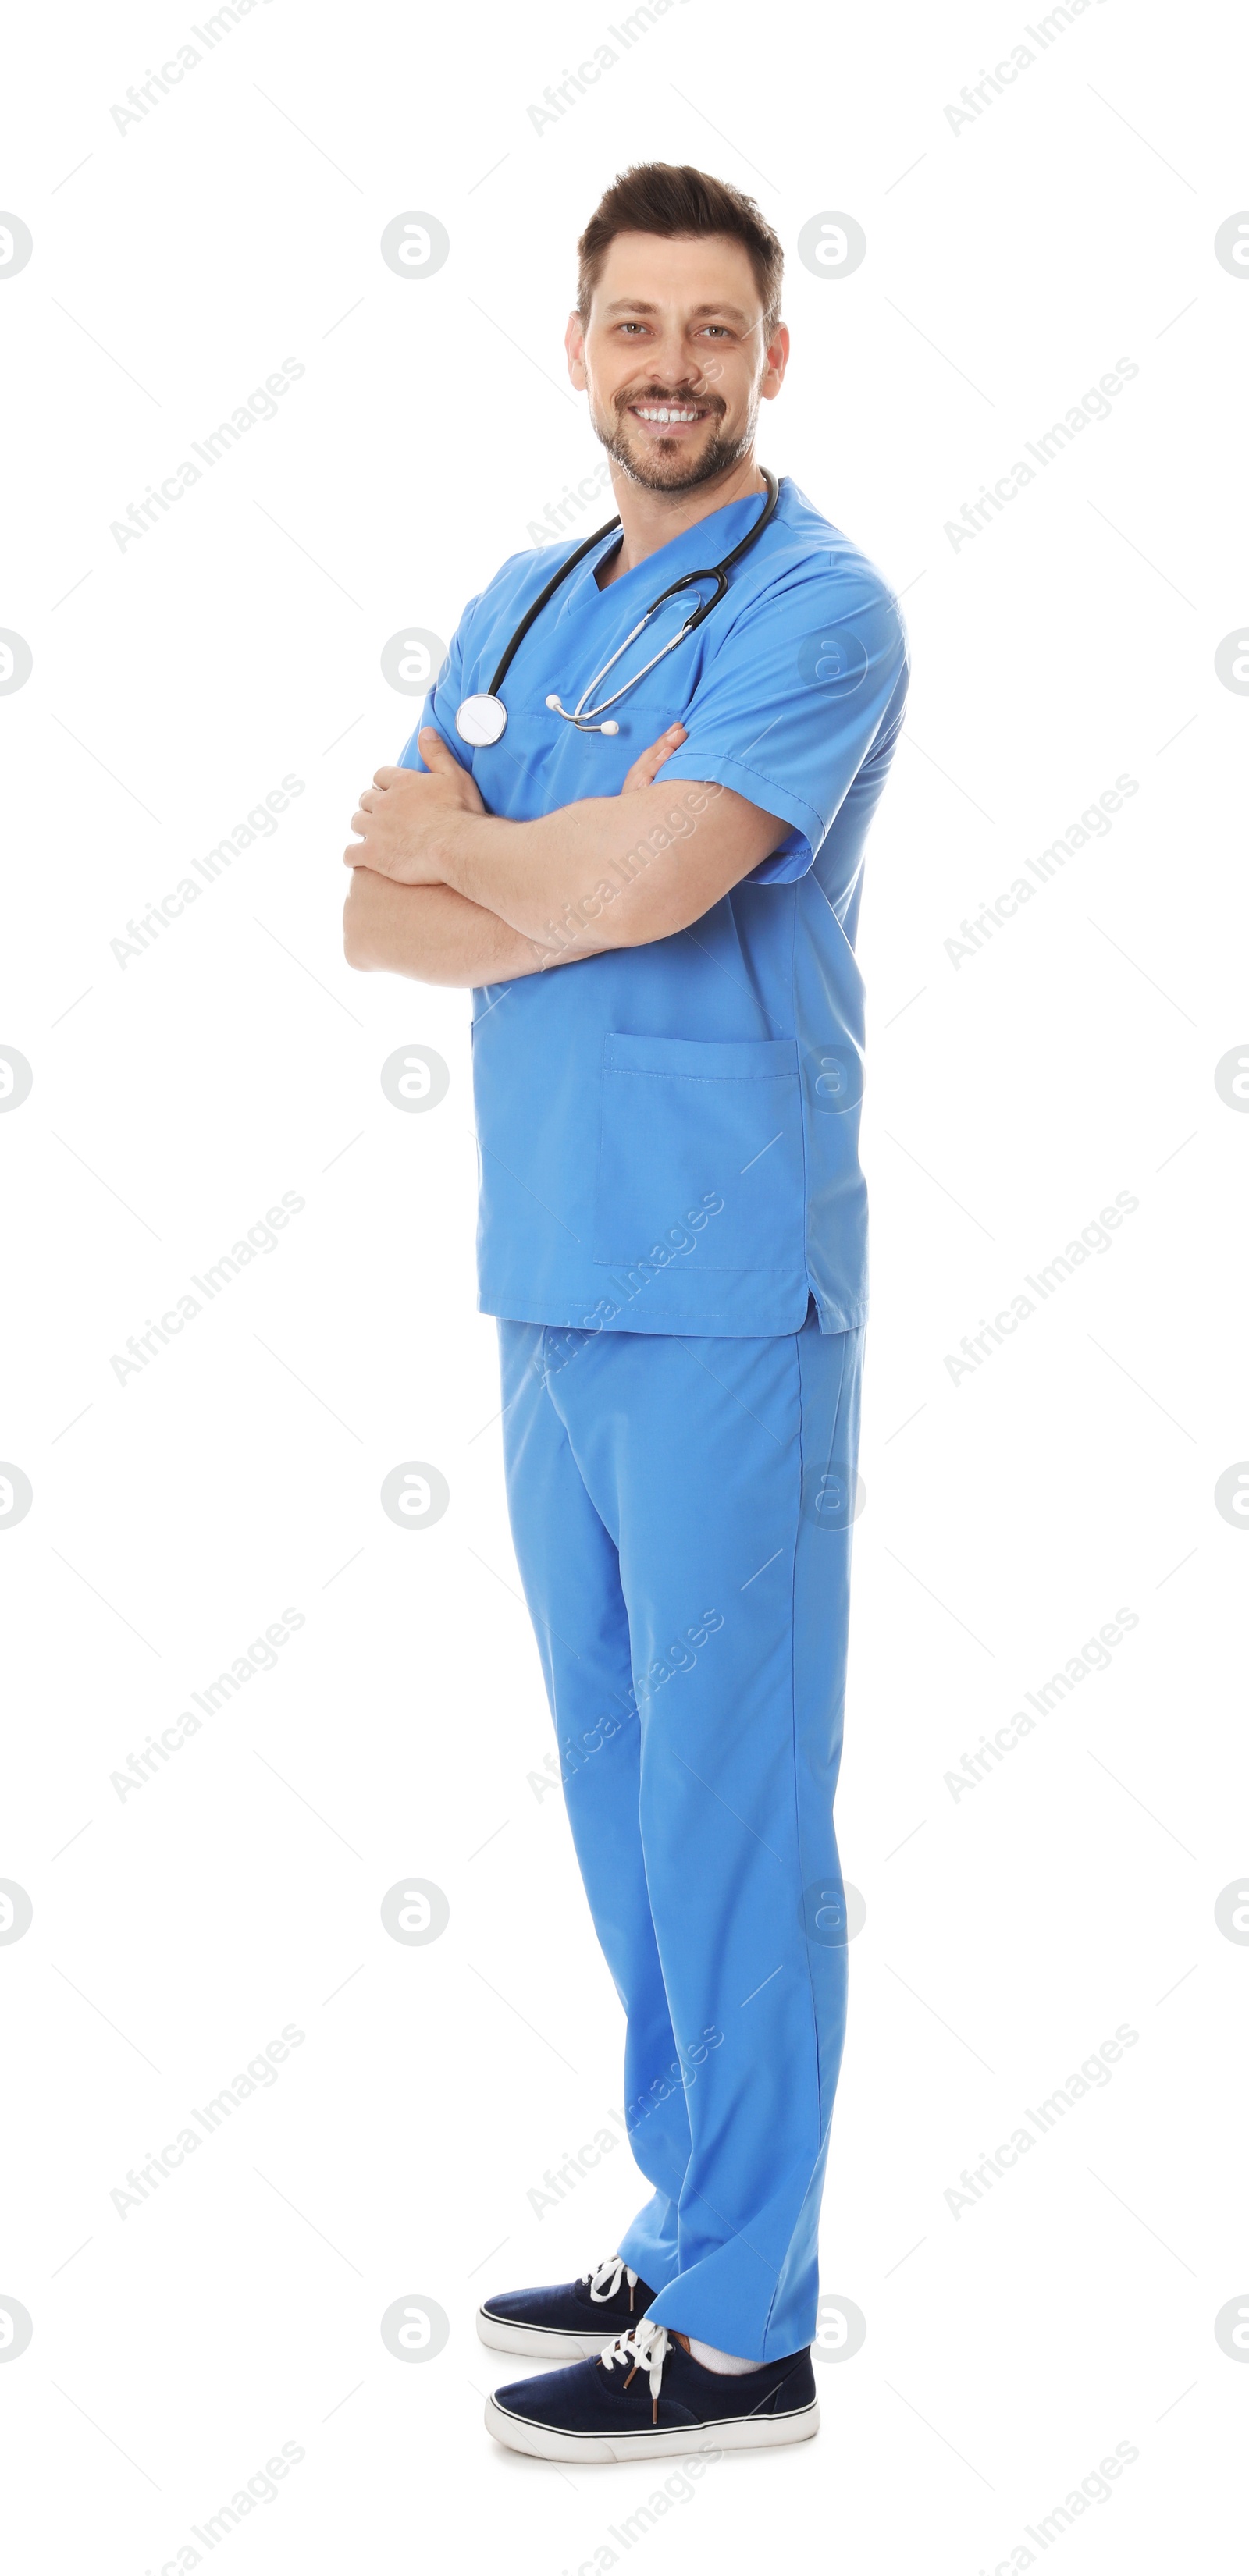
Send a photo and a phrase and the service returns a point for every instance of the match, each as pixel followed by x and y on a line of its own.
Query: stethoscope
pixel 481 719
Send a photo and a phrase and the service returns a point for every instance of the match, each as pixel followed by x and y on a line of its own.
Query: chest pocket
pixel 701 1153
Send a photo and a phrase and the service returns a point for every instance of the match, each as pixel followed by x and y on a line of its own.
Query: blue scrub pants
pixel 682 1510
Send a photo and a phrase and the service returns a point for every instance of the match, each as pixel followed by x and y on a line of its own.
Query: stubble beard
pixel 673 471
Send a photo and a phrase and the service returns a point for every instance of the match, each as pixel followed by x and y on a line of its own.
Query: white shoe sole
pixel 543 2343
pixel 740 2433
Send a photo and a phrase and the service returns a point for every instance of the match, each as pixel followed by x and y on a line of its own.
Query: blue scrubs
pixel 682 1512
pixel 672 1233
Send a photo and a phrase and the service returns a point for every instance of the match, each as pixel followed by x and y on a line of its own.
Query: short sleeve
pixel 808 679
pixel 442 699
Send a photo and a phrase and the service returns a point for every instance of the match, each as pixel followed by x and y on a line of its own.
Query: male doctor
pixel 644 852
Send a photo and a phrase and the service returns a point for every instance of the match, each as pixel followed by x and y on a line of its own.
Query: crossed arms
pixel 448 894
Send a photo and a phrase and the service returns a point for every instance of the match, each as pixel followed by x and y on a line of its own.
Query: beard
pixel 667 467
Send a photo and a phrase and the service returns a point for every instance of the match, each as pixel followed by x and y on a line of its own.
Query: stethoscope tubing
pixel 584 715
pixel 531 614
pixel 717 573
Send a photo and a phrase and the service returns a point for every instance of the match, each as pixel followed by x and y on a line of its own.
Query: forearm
pixel 432 934
pixel 607 872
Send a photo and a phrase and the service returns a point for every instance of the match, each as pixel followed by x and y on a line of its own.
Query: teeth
pixel 645 413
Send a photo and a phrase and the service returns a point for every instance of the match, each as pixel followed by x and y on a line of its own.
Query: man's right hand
pixel 399 815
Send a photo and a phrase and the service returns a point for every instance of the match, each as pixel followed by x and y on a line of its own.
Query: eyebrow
pixel 699 312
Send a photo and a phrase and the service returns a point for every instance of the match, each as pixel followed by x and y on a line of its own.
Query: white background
pixel 175 681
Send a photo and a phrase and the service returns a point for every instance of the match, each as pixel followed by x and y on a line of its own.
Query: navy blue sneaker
pixel 572 2322
pixel 648 2395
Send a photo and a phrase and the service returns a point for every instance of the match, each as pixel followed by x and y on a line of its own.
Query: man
pixel 656 908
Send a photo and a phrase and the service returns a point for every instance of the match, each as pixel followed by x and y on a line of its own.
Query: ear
pixel 574 348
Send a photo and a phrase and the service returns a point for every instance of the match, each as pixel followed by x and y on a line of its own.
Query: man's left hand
pixel 400 816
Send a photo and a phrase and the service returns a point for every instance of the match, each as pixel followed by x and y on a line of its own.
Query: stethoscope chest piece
pixel 481 719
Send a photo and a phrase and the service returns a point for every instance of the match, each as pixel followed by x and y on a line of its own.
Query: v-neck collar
pixel 703 542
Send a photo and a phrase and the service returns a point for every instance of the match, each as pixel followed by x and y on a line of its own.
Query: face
pixel 674 357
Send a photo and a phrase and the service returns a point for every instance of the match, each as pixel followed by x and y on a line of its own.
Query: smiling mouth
pixel 670 419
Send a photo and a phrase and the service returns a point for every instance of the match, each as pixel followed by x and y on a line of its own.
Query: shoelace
pixel 644 2347
pixel 605 2278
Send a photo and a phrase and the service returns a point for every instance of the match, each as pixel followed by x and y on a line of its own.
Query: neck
pixel 649 520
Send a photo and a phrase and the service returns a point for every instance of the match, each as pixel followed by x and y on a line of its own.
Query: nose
pixel 676 366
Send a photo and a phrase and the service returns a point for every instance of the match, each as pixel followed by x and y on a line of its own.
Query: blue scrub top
pixel 669 1133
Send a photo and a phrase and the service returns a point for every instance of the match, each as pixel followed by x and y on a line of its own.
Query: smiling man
pixel 633 821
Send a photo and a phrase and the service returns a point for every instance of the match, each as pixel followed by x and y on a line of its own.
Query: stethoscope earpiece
pixel 582 723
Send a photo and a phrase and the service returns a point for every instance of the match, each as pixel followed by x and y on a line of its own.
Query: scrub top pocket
pixel 701 1153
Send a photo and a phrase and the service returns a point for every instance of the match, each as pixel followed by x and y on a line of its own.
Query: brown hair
pixel 660 197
